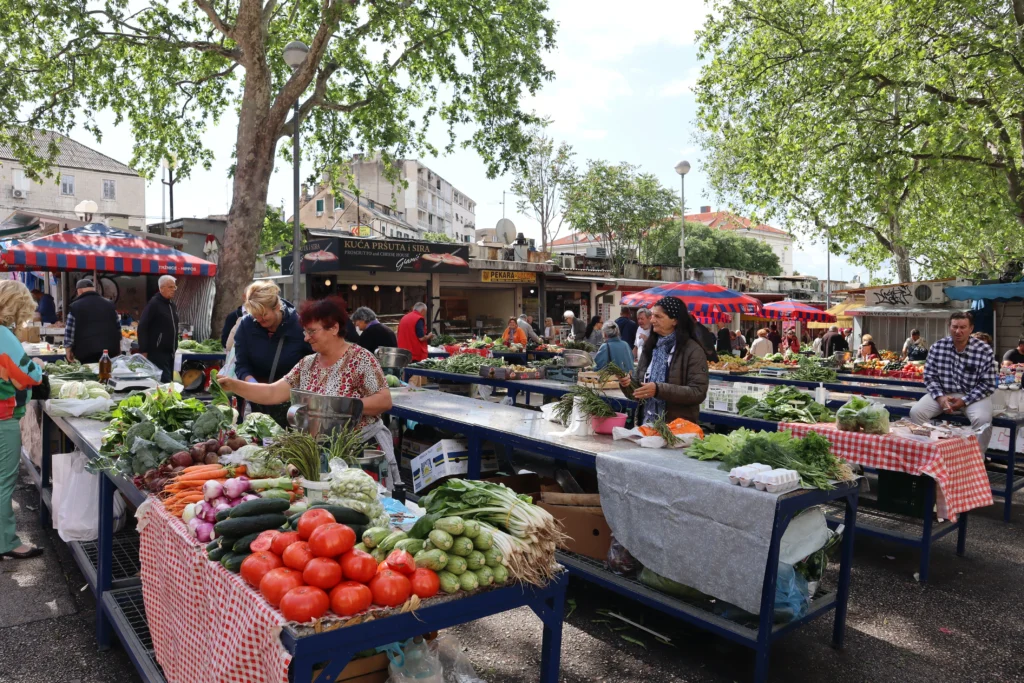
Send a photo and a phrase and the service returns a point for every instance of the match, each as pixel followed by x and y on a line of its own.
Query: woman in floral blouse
pixel 336 368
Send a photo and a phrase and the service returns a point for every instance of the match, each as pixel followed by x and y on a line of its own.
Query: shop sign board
pixel 332 254
pixel 508 276
pixel 361 231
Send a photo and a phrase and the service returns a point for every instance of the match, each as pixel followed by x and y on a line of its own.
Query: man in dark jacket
pixel 229 324
pixel 774 337
pixel 158 329
pixel 833 342
pixel 374 333
pixel 91 326
pixel 627 328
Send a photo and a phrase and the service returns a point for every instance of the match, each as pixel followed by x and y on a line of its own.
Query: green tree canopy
pixel 376 75
pixel 707 248
pixel 892 126
pixel 617 203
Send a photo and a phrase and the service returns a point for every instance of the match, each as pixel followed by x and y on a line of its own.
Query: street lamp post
pixel 682 168
pixel 294 55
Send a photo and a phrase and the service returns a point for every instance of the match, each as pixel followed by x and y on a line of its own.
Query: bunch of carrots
pixel 187 487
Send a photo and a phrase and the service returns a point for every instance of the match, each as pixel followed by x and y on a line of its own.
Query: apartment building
pixel 429 203
pixel 80 173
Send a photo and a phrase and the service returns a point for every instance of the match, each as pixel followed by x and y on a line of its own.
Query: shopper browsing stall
pixel 613 350
pixel 92 325
pixel 527 328
pixel 373 334
pixel 1015 356
pixel 158 328
pixel 576 327
pixel 643 331
pixel 17 375
pixel 412 332
pixel 593 332
pixel 915 347
pixel 335 368
pixel 268 342
pixel 761 346
pixel 960 377
pixel 673 368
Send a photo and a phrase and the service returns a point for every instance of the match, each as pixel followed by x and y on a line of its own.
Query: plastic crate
pixel 901 493
pixel 724 398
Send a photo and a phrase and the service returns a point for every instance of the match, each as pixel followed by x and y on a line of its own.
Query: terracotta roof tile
pixel 723 220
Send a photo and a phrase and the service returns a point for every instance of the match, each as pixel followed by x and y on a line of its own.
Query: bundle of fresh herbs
pixel 591 404
pixel 811 371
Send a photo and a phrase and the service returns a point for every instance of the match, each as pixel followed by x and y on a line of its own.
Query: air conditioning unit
pixel 930 294
pixel 597 252
pixel 568 261
pixel 19 193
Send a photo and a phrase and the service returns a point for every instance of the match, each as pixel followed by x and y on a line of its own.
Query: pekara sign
pixel 332 254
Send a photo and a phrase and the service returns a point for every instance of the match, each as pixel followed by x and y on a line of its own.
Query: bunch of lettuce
pixel 859 414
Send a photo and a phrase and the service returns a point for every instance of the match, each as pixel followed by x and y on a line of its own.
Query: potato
pixel 211 459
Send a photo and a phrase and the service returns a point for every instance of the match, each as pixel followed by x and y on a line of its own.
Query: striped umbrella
pixel 701 298
pixel 108 250
pixel 713 318
pixel 788 309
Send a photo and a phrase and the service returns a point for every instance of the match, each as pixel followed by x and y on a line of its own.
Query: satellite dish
pixel 506 231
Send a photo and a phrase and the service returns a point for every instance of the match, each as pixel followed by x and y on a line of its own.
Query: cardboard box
pixel 411 447
pixel 364 670
pixel 586 526
pixel 529 484
pixel 29 333
pixel 446 459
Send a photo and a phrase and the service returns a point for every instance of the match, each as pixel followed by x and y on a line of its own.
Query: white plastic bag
pixel 484 391
pixel 77 518
pixel 77 407
pixel 548 411
pixel 60 465
pixel 634 435
pixel 457 667
pixel 579 424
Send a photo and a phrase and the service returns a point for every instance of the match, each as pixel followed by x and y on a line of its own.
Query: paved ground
pixel 966 626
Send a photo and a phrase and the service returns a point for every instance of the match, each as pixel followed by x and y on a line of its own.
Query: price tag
pixel 721 406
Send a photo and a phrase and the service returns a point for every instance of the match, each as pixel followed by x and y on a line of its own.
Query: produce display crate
pixel 589 378
pixel 484 353
pixel 901 493
pixel 724 398
pixel 503 372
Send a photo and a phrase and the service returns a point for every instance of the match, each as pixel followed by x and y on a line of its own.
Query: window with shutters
pixel 109 189
pixel 67 185
pixel 20 180
pixel 319 207
pixel 339 203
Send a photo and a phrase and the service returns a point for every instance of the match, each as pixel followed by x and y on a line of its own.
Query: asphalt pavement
pixel 966 625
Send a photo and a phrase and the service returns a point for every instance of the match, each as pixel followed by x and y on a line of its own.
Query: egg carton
pixel 744 476
pixel 777 481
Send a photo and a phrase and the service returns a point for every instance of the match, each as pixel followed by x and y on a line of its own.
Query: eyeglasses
pixel 311 331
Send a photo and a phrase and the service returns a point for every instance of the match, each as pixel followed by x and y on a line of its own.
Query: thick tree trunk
pixel 255 147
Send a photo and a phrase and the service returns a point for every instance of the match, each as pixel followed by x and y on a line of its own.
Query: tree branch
pixel 215 18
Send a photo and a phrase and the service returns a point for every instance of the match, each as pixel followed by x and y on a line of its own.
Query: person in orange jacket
pixel 512 334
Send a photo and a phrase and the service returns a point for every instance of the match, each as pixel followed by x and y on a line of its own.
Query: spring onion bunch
pixel 527 535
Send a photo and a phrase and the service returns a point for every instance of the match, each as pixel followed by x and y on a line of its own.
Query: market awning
pixel 1002 291
pixel 700 297
pixel 842 312
pixel 98 247
pixel 796 310
pixel 902 312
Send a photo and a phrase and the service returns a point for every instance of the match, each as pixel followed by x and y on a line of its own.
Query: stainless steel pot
pixel 390 357
pixel 318 414
pixel 575 358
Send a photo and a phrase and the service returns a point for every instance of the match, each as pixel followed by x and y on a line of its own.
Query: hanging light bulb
pixel 355 287
pixel 376 288
pixel 398 289
pixel 327 283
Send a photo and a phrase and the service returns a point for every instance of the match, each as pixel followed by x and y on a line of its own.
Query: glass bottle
pixel 105 366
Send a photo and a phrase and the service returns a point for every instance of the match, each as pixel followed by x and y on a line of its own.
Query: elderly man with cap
pixel 158 328
pixel 577 328
pixel 92 326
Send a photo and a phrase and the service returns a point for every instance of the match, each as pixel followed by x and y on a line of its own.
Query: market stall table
pixel 253 634
pixel 955 465
pixel 479 420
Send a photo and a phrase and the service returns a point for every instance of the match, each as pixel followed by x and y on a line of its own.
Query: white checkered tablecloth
pixel 956 464
pixel 206 624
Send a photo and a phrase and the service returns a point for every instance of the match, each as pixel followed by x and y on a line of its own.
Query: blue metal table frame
pixel 759 639
pixel 878 525
pixel 846 386
pixel 120 607
pixel 338 646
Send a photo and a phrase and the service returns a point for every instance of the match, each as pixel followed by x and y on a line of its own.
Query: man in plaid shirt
pixel 960 376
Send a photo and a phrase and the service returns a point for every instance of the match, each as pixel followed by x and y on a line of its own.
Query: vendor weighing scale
pixel 774 372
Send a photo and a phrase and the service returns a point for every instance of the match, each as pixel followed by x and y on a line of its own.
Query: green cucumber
pixel 259 506
pixel 388 544
pixel 242 544
pixel 226 542
pixel 223 514
pixel 293 521
pixel 342 514
pixel 242 526
pixel 213 545
pixel 233 561
pixel 216 554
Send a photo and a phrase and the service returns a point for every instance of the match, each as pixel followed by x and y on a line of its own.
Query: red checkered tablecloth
pixel 206 624
pixel 956 464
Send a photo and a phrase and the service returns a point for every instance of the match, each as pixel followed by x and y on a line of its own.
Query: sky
pixel 622 92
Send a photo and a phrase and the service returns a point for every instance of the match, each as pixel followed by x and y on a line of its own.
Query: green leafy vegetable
pixel 218 396
pixel 785 404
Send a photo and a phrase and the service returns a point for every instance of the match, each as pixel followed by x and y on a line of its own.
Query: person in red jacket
pixel 412 332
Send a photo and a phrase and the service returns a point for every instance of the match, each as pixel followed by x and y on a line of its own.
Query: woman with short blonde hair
pixel 261 298
pixel 17 373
